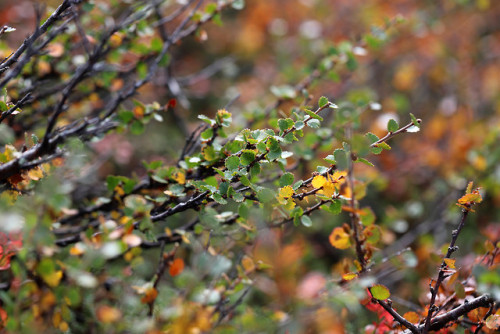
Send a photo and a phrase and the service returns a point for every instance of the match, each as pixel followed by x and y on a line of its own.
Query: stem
pixel 395 133
pixel 441 274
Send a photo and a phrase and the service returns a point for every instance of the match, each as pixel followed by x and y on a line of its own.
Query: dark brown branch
pixel 442 320
pixel 441 275
pixel 28 42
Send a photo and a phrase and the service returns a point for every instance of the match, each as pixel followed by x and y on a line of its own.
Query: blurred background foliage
pixel 436 59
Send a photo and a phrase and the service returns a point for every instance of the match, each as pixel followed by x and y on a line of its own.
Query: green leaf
pixel 266 195
pixel 306 221
pixel 207 134
pixel 384 146
pixel 286 179
pixel 128 185
pixel 414 120
pixel 376 150
pixel 313 123
pixel 152 165
pixel 255 170
pixel 313 115
pixel 334 208
pixel 285 124
pixel 125 116
pixel 232 162
pixel 159 179
pixel 392 126
pixel 380 292
pixel 238 197
pixel 3 106
pixel 299 125
pixel 297 185
pixel 206 119
pixel 340 159
pixel 112 182
pixel 366 162
pixel 323 101
pixel 244 180
pixel 223 188
pixel 330 159
pixel 351 63
pixel 142 70
pixel 136 128
pixel 211 8
pixel 274 149
pixel 247 157
pixel 371 137
pixel 218 198
pixel 87 6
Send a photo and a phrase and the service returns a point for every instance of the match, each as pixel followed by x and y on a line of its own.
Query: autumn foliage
pixel 231 166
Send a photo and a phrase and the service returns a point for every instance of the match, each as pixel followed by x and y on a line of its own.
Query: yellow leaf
pixel 318 181
pixel 474 197
pixel 339 176
pixel 116 39
pixel 53 278
pixel 340 239
pixel 346 191
pixel 248 264
pixel 286 192
pixel 349 276
pixel 222 112
pixel 469 188
pixel 290 204
pixel 35 173
pixel 179 177
pixel 328 189
pixel 450 263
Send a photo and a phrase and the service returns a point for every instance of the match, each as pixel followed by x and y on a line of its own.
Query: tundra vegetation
pixel 231 166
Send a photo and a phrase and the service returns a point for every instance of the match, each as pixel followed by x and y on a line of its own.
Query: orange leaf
pixel 108 314
pixel 149 296
pixel 474 197
pixel 139 111
pixel 412 317
pixel 248 264
pixel 176 267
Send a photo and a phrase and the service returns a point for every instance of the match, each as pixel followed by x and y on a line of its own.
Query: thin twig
pixel 442 272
